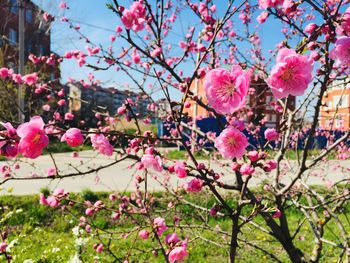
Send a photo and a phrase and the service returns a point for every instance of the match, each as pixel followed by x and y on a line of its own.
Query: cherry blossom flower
pixel 5 73
pixel 246 169
pixel 30 79
pixel 159 225
pixel 33 137
pixel 171 239
pixel 194 186
pixel 3 247
pixel 264 4
pixel 310 28
pixel 341 51
pixel 270 165
pixel 271 134
pixel 226 91
pixel 178 253
pixel 180 169
pixel 291 75
pixel 150 161
pixel 73 137
pixel 277 214
pixel 253 156
pixel 99 248
pixel 101 144
pixel 134 18
pixel 144 234
pixel 262 17
pixel 231 143
pixel 51 172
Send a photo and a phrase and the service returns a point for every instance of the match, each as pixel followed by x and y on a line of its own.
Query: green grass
pixel 44 234
pixel 59 147
pixel 182 155
pixel 290 155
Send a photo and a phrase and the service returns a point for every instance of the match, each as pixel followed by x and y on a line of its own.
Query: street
pixel 120 176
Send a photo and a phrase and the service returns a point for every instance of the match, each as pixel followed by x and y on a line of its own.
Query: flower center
pixel 287 74
pixel 232 142
pixel 229 88
pixel 36 138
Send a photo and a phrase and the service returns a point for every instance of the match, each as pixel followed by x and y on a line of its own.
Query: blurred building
pixel 86 101
pixel 260 104
pixel 335 110
pixel 37 33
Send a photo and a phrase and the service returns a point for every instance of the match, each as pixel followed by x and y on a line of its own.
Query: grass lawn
pixel 291 154
pixel 44 234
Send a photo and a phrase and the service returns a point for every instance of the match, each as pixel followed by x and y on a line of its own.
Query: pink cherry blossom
pixel 270 165
pixel 310 28
pixel 73 137
pixel 253 156
pixel 344 27
pixel 194 186
pixel 150 161
pixel 62 5
pixel 51 172
pixel 89 211
pixel 291 75
pixel 271 134
pixel 17 78
pixel 30 79
pixel 134 18
pixel 11 132
pixel 159 225
pixel 99 248
pixel 180 169
pixel 52 201
pixel 178 253
pixel 262 17
pixel 42 200
pixel 3 247
pixel 144 234
pixel 341 51
pixel 264 4
pixel 69 116
pixel 101 144
pixel 5 73
pixel 277 214
pixel 246 169
pixel 33 137
pixel 226 91
pixel 231 143
pixel 171 239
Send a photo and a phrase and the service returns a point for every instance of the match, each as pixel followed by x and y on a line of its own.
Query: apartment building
pixel 335 110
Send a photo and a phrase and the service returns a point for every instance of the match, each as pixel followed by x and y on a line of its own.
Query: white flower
pixel 11 245
pixel 75 259
pixel 75 231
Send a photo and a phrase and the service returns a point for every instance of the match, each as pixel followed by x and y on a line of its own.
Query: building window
pixel 271 117
pixel 29 16
pixel 13 36
pixel 13 6
pixel 341 101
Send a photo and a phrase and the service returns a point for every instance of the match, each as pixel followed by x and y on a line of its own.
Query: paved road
pixel 119 177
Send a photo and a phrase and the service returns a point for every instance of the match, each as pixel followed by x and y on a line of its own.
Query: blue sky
pixel 103 23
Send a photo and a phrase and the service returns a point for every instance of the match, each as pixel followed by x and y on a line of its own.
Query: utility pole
pixel 21 36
